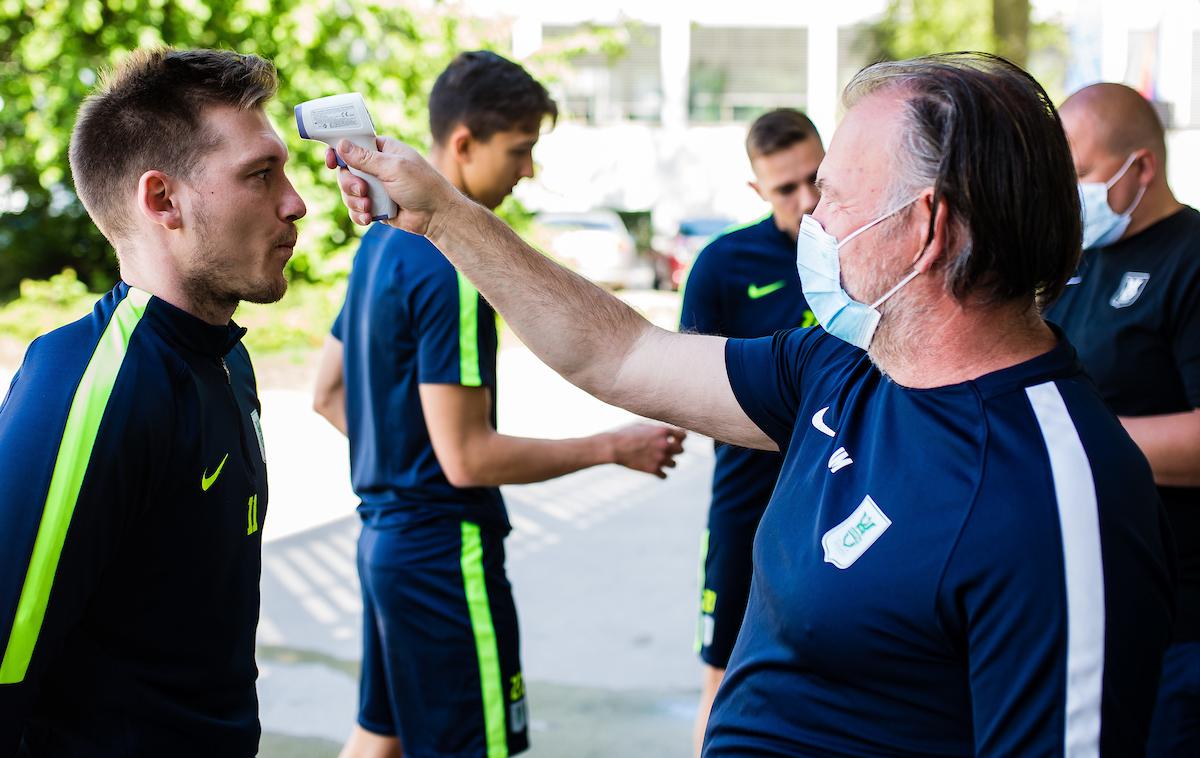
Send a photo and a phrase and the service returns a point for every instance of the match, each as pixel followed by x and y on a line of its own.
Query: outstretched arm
pixel 585 334
pixel 473 454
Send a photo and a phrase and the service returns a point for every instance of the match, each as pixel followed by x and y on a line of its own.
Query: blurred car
pixel 677 253
pixel 595 244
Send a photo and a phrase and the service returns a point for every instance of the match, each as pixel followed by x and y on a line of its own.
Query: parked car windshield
pixel 702 227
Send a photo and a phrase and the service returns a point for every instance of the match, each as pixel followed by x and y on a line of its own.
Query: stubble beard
pixel 213 284
pixel 897 337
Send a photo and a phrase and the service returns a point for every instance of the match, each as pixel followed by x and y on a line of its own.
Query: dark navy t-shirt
pixel 1133 312
pixel 745 284
pixel 410 319
pixel 979 569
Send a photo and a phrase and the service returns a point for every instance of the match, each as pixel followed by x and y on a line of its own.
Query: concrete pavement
pixel 603 565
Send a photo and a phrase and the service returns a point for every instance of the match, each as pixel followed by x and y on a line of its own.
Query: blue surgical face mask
pixel 821 280
pixel 1101 224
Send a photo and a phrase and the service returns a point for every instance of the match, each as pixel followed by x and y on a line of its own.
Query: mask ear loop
pixel 912 274
pixel 1117 176
pixel 879 220
pixel 1137 199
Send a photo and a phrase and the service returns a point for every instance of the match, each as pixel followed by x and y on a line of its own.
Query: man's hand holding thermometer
pixel 425 199
pixel 338 117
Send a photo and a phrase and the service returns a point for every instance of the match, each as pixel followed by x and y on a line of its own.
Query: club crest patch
pixel 262 448
pixel 845 543
pixel 1131 288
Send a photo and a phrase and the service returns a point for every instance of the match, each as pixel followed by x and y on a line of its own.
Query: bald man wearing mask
pixel 1133 312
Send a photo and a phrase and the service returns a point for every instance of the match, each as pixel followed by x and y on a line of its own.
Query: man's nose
pixel 293 207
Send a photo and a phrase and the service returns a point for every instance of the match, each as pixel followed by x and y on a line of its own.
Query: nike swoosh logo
pixel 755 292
pixel 818 421
pixel 1074 280
pixel 206 481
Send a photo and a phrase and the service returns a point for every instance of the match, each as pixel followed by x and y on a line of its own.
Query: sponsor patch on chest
pixel 845 543
pixel 1132 285
pixel 262 448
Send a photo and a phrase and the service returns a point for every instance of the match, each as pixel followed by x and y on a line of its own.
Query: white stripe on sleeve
pixel 1079 520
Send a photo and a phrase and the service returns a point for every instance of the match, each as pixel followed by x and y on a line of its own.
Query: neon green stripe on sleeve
pixel 468 333
pixel 74 454
pixel 703 578
pixel 486 647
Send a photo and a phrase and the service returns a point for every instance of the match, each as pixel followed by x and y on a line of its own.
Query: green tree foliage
pixel 1010 26
pixel 918 27
pixel 52 51
pixel 910 28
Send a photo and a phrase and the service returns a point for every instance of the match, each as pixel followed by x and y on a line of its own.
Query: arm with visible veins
pixel 585 334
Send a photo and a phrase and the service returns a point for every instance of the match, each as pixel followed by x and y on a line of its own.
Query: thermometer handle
pixel 382 206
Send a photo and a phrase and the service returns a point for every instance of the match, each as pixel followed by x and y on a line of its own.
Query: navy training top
pixel 744 284
pixel 133 489
pixel 980 569
pixel 1133 312
pixel 410 319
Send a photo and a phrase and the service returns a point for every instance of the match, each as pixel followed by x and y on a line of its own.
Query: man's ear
pixel 754 186
pixel 935 246
pixel 157 200
pixel 459 144
pixel 1148 167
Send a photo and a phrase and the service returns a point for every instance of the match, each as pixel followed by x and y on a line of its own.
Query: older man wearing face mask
pixel 1133 312
pixel 988 574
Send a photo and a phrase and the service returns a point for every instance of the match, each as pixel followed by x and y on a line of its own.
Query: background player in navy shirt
pixel 965 554
pixel 410 374
pixel 744 284
pixel 1133 312
pixel 133 483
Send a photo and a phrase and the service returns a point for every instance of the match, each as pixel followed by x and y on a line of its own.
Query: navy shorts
pixel 440 667
pixel 726 567
pixel 1175 728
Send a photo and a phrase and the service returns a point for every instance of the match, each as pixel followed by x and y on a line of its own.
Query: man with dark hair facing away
pixel 1133 312
pixel 133 483
pixel 409 374
pixel 984 568
pixel 744 284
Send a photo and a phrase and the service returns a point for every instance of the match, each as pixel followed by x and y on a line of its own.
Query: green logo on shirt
pixel 755 292
pixel 854 535
pixel 252 515
pixel 206 481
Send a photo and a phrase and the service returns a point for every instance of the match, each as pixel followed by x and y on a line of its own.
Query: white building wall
pixel 679 169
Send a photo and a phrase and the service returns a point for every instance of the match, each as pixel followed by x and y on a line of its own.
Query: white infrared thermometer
pixel 338 117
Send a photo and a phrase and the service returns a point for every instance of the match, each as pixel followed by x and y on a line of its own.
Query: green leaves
pixel 51 53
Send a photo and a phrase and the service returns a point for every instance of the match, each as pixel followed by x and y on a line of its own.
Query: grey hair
pixel 986 137
pixel 918 156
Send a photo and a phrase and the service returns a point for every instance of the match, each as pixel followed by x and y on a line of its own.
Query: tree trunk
pixel 1010 26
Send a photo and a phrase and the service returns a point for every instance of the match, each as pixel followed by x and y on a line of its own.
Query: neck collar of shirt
pixel 783 237
pixel 1060 361
pixel 189 331
pixel 1166 227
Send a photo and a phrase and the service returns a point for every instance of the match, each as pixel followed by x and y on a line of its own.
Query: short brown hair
pixel 778 130
pixel 488 93
pixel 147 115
